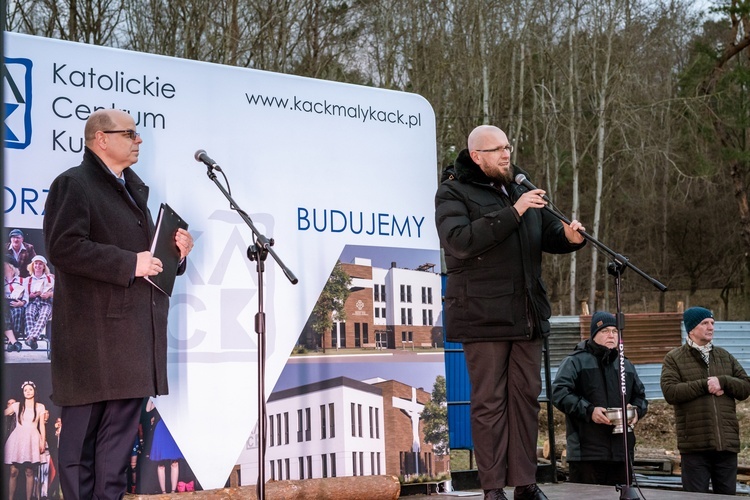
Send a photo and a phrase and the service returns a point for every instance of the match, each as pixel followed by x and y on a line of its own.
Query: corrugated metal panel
pixel 648 337
pixel 565 333
pixel 650 375
pixel 734 336
pixel 458 391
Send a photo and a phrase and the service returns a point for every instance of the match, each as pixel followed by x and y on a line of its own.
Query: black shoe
pixel 19 346
pixel 10 347
pixel 496 494
pixel 529 492
pixel 33 344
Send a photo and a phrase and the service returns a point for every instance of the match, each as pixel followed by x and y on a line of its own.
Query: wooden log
pixel 349 488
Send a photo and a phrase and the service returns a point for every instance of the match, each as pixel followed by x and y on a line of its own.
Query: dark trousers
pixel 599 472
pixel 505 386
pixel 95 445
pixel 720 467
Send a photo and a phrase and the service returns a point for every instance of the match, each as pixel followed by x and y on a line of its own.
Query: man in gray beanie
pixel 586 384
pixel 702 382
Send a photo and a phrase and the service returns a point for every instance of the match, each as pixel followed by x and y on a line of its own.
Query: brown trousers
pixel 505 387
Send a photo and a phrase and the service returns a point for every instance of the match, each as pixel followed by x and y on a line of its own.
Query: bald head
pixel 100 120
pixel 107 135
pixel 490 150
pixel 484 137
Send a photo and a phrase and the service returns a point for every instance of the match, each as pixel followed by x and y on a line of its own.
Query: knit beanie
pixel 693 316
pixel 601 319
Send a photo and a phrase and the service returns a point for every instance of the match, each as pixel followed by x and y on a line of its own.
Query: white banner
pixel 317 165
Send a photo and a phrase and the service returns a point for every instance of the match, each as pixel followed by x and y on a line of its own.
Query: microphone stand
pixel 257 253
pixel 616 268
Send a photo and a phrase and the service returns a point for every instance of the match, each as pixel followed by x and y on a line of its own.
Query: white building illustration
pixel 342 427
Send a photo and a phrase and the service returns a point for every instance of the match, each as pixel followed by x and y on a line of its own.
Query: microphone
pixel 523 181
pixel 202 156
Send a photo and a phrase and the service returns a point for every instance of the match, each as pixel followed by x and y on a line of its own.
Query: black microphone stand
pixel 258 253
pixel 616 268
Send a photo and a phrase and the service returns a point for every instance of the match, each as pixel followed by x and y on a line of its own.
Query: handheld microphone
pixel 202 156
pixel 523 181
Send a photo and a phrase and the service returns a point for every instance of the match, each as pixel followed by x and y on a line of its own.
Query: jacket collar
pixel 89 157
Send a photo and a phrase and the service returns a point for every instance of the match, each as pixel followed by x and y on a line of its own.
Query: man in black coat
pixel 493 233
pixel 110 324
pixel 586 384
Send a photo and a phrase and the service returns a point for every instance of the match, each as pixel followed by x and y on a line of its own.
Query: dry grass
pixel 655 434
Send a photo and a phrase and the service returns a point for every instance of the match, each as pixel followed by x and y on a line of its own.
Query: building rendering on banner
pixel 390 308
pixel 344 427
pixel 406 451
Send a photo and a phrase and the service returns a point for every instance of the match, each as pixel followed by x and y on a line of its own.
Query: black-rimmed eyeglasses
pixel 508 148
pixel 132 134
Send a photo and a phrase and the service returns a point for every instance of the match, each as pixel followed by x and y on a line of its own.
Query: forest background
pixel 633 115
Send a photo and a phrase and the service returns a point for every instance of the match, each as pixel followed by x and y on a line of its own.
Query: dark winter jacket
pixel 493 256
pixel 587 378
pixel 109 329
pixel 704 422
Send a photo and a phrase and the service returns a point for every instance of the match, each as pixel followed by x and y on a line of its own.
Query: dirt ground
pixel 655 433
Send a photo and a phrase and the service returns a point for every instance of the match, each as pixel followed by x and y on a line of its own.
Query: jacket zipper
pixel 720 446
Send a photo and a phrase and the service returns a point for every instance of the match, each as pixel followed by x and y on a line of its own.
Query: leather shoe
pixel 496 494
pixel 528 492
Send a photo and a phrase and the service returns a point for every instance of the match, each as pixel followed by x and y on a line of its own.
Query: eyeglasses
pixel 508 148
pixel 132 134
pixel 608 331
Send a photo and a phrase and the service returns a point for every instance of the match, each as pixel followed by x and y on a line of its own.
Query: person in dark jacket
pixel 703 382
pixel 493 233
pixel 18 252
pixel 110 324
pixel 586 384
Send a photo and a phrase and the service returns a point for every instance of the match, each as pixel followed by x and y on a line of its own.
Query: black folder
pixel 164 248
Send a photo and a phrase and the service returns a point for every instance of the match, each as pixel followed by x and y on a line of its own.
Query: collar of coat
pixel 466 171
pixel 602 352
pixel 91 158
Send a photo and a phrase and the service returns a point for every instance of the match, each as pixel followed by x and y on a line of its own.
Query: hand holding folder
pixel 164 248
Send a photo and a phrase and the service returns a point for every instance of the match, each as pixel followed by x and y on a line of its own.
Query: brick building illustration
pixel 391 308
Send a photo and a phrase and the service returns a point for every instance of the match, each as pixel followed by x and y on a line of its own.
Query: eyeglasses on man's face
pixel 132 134
pixel 508 148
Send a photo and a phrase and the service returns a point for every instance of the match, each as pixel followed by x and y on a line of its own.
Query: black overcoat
pixel 109 329
pixel 494 290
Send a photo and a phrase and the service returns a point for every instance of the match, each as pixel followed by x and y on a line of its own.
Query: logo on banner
pixel 17 93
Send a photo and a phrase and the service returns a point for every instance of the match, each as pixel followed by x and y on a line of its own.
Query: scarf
pixel 705 350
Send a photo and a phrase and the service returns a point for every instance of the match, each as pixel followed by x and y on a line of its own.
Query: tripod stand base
pixel 627 492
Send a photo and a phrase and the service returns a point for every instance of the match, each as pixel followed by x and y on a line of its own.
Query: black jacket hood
pixel 465 170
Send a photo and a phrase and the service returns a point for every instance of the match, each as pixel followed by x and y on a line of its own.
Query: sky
pixel 405 258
